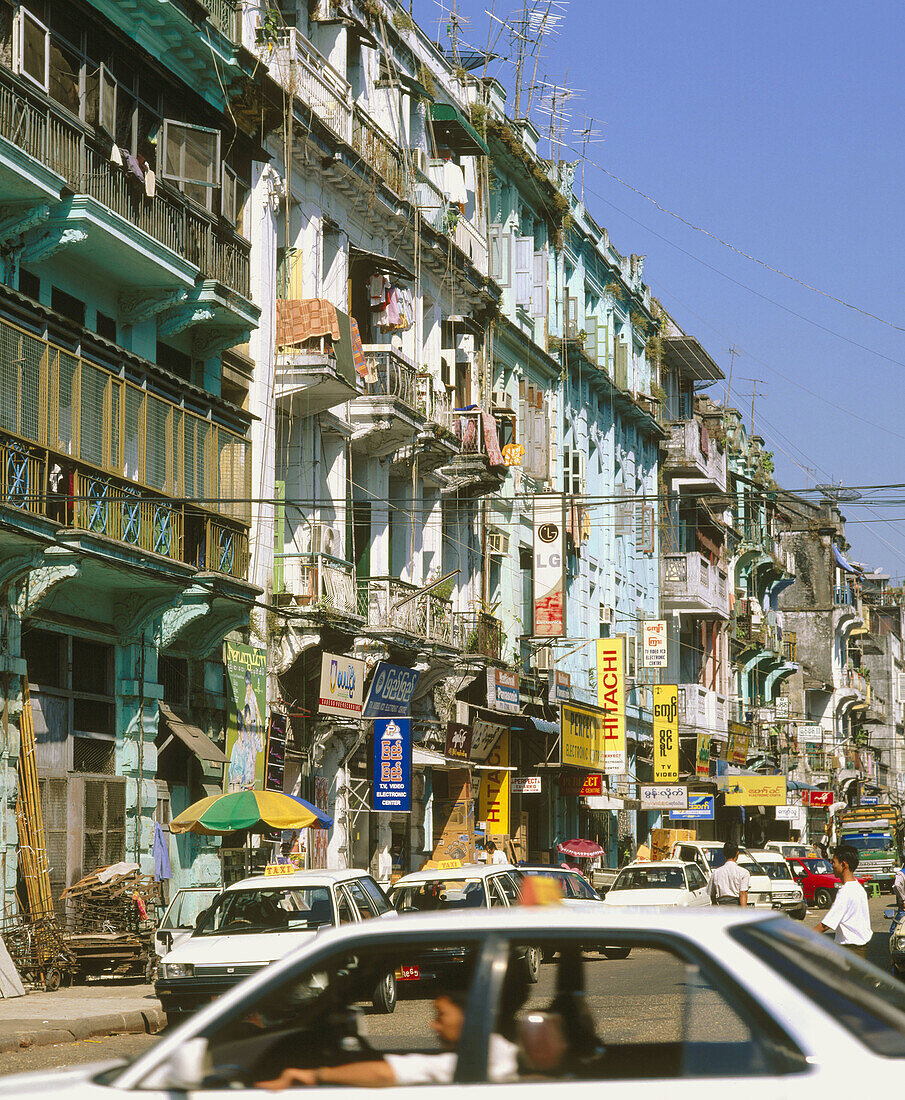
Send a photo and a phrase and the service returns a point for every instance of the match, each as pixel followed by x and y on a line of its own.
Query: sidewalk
pixel 79 1012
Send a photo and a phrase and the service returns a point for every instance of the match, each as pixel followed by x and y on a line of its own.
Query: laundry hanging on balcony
pixel 392 308
pixel 300 320
pixel 844 563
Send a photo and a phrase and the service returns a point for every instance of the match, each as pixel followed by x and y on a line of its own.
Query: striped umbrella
pixel 256 810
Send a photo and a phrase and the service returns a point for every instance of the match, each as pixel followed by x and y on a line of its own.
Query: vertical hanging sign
pixel 666 733
pixel 391 789
pixel 494 804
pixel 246 678
pixel 611 699
pixel 703 760
pixel 653 652
pixel 549 568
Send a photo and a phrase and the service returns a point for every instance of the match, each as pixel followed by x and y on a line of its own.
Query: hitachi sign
pixel 391 691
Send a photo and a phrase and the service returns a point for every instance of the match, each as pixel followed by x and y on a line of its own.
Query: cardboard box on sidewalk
pixel 453 816
pixel 662 840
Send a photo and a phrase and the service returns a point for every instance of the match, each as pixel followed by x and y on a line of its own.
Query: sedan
pixel 708 1002
pixel 574 887
pixel 667 882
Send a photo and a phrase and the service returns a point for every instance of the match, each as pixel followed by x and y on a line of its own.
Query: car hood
pixel 53 1080
pixel 244 948
pixel 645 897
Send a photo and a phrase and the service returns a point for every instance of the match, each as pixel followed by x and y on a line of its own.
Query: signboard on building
pixel 391 789
pixel 781 706
pixel 484 735
pixel 810 733
pixel 702 764
pixel 671 797
pixel 560 689
pixel 870 800
pixel 391 691
pixel 611 700
pixel 794 815
pixel 246 688
pixel 502 690
pixel 753 790
pixel 342 686
pixel 458 741
pixel 276 751
pixel 575 784
pixel 699 808
pixel 582 736
pixel 525 784
pixel 549 567
pixel 817 798
pixel 653 650
pixel 666 733
pixel 494 802
pixel 738 749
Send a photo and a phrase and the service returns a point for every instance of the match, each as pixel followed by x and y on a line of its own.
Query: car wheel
pixel 384 998
pixel 532 963
pixel 800 914
pixel 823 899
pixel 617 952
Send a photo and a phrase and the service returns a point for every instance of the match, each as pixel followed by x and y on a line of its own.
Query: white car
pixel 178 921
pixel 260 919
pixel 792 848
pixel 710 1003
pixel 708 855
pixel 788 896
pixel 664 882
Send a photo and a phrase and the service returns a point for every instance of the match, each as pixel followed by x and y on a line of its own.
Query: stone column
pixel 138 696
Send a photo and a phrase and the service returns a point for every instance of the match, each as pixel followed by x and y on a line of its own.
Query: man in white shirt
pixel 494 855
pixel 849 916
pixel 729 883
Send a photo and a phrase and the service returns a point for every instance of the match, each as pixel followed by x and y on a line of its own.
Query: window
pixel 573 472
pixel 67 305
pixel 695 877
pixel 346 913
pixel 363 903
pixel 191 158
pixel 376 895
pixel 228 195
pixel 509 887
pixel 500 255
pixel 33 46
pixel 65 65
pixel 105 822
pixel 497 897
pixel 29 284
pixel 273 909
pixel 105 326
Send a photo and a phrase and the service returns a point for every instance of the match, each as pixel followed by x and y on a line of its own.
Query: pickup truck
pixel 817 881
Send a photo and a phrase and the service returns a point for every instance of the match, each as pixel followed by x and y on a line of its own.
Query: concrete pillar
pixel 137 710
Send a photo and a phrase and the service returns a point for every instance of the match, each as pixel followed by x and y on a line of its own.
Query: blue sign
pixel 700 808
pixel 870 800
pixel 391 789
pixel 391 691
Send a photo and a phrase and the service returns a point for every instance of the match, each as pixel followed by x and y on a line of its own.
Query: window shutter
pixel 538 456
pixel 590 344
pixel 539 290
pixel 524 262
pixel 572 305
pixel 621 378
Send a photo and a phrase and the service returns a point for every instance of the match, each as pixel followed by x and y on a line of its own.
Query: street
pixel 633 993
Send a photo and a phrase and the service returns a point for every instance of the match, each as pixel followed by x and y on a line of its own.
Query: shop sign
pixel 494 801
pixel 702 765
pixel 666 733
pixel 484 735
pixel 502 690
pixel 870 800
pixel 560 690
pixel 653 651
pixel 781 706
pixel 810 733
pixel 611 700
pixel 753 790
pixel 391 789
pixel 670 797
pixel 817 798
pixel 794 815
pixel 738 749
pixel 276 752
pixel 699 808
pixel 575 784
pixel 458 741
pixel 391 691
pixel 549 568
pixel 582 736
pixel 342 686
pixel 246 678
pixel 525 784
pixel 819 778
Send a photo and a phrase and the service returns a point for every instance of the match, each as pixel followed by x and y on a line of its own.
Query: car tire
pixel 823 899
pixel 617 952
pixel 532 964
pixel 800 914
pixel 384 996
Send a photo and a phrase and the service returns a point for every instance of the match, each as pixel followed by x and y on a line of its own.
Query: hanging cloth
pixel 162 868
pixel 454 182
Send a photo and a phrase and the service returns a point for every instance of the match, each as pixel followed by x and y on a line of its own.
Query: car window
pixel 497 897
pixel 381 901
pixel 344 906
pixel 580 888
pixel 509 887
pixel 695 877
pixel 750 864
pixel 440 893
pixel 818 866
pixel 687 853
pixel 650 878
pixel 269 909
pixel 867 1003
pixel 363 903
pixel 185 908
pixel 778 871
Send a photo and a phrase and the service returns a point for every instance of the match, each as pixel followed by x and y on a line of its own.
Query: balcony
pixel 844 596
pixel 700 708
pixel 444 217
pixel 296 64
pixel 690 584
pixel 318 583
pixel 387 413
pixel 686 457
pixel 479 634
pixel 790 648
pixel 310 379
pixel 389 605
pixel 478 468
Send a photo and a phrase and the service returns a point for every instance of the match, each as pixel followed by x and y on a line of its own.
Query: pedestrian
pixel 898 889
pixel 729 883
pixel 849 916
pixel 494 855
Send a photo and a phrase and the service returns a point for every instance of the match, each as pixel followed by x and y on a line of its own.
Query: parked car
pixel 787 894
pixel 708 855
pixel 787 848
pixel 260 919
pixel 817 880
pixel 575 887
pixel 178 921
pixel 725 1001
pixel 665 882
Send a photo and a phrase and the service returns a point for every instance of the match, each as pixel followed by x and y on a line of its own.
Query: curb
pixel 146 1021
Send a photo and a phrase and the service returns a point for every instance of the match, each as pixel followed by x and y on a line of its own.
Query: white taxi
pixel 667 882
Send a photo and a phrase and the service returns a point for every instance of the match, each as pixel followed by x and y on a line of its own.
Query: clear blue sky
pixel 777 127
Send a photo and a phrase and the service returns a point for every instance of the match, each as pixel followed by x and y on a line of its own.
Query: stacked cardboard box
pixel 453 816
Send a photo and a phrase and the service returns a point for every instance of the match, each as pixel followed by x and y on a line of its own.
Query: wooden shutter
pixel 539 288
pixel 524 276
pixel 590 344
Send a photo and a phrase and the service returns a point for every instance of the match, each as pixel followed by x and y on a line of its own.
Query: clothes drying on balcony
pixel 843 562
pixel 466 429
pixel 299 320
pixel 392 308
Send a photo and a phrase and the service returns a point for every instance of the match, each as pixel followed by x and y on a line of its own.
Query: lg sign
pixel 549 606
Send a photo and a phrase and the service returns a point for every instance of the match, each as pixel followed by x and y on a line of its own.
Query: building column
pixel 138 695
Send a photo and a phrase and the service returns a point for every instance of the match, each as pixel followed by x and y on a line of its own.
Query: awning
pixel 535 725
pixel 843 562
pixel 428 758
pixel 381 265
pixel 406 83
pixel 452 128
pixel 194 739
pixel 686 355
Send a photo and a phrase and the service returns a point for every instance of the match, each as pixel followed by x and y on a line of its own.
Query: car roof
pixel 555 868
pixel 299 878
pixel 467 870
pixel 764 855
pixel 657 863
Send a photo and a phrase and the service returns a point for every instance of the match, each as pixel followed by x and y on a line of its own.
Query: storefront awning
pixel 843 562
pixel 535 725
pixel 194 739
pixel 452 129
pixel 380 265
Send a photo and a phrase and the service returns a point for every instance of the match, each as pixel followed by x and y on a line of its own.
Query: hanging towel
pixel 116 156
pixel 150 183
pixel 377 289
pixel 133 166
pixel 358 354
pixel 162 867
pixel 454 182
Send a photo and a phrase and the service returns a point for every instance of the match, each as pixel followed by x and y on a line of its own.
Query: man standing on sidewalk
pixel 849 916
pixel 729 883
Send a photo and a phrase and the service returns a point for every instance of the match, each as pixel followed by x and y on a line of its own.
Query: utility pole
pixel 732 354
pixel 755 382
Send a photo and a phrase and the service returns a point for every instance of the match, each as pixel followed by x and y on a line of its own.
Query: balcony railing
pixel 320 582
pixel 685 454
pixel 387 602
pixel 380 151
pixel 467 425
pixel 317 84
pixel 21 478
pixel 389 375
pixel 224 16
pixel 690 581
pixel 105 508
pixel 479 633
pixel 790 648
pixel 844 595
pixel 168 217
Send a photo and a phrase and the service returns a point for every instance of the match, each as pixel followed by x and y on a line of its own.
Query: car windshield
pixel 797 850
pixel 185 907
pixel 650 878
pixel 775 869
pixel 439 893
pixel 714 856
pixel 750 864
pixel 818 866
pixel 874 842
pixel 270 909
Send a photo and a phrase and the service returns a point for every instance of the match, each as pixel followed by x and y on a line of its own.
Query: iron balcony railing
pixel 479 633
pixel 299 66
pixel 380 151
pixel 224 15
pixel 388 374
pixel 790 647
pixel 45 134
pixel 390 603
pixel 319 582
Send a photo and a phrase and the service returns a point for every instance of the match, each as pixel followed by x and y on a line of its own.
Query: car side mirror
pixel 184 1070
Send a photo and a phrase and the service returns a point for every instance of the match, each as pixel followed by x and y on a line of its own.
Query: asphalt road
pixel 648 997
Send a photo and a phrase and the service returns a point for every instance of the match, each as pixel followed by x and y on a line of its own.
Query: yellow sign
pixel 582 736
pixel 754 790
pixel 442 865
pixel 280 869
pixel 494 806
pixel 611 699
pixel 666 733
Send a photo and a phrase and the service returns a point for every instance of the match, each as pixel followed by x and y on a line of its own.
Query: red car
pixel 815 877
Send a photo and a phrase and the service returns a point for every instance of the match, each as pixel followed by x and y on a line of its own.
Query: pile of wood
pixel 30 820
pixel 113 899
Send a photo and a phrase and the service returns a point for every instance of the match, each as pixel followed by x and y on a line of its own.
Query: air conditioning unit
pixel 324 540
pixel 497 544
pixel 419 159
pixel 607 615
pixel 543 660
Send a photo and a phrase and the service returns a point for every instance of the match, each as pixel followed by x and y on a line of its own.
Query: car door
pixel 801 875
pixel 697 884
pixel 345 907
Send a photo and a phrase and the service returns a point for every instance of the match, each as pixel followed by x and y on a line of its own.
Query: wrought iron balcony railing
pixel 393 604
pixel 480 633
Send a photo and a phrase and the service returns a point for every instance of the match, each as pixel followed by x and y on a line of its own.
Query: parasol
pixel 580 849
pixel 240 810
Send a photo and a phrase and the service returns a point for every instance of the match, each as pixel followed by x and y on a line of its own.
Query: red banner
pixel 818 798
pixel 574 784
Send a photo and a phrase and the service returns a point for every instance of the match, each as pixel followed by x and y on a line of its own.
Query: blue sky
pixel 777 127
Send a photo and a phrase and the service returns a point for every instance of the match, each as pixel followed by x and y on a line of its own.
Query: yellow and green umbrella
pixel 256 810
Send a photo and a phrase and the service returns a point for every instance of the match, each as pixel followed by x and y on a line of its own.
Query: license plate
pixel 408 974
